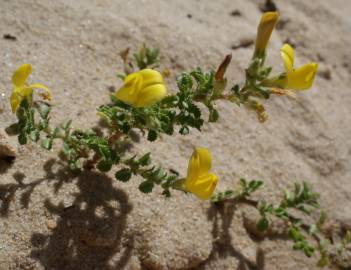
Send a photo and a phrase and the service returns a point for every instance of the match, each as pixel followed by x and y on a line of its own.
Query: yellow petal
pixel 47 92
pixel 128 93
pixel 264 30
pixel 21 74
pixel 199 164
pixel 287 53
pixel 151 94
pixel 26 92
pixel 203 187
pixel 134 81
pixel 301 78
pixel 150 77
pixel 14 100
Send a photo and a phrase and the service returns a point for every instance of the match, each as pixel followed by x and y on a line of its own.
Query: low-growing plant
pixel 143 104
pixel 295 209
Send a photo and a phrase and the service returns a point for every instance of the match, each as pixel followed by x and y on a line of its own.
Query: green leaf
pixel 313 229
pixel 216 198
pixel 235 89
pixel 347 237
pixel 152 135
pixel 159 174
pixel 166 193
pixel 56 132
pixel 121 76
pixel 103 150
pixel 104 165
pixel 146 57
pixel 184 130
pixel 308 250
pixel 243 182
pixel 72 164
pixel 323 261
pixel 22 138
pixel 46 143
pixel 184 105
pixel 34 135
pixel 255 184
pixel 145 160
pixel 44 111
pixel 295 235
pixel 146 186
pixel 184 82
pixel 228 193
pixel 262 224
pixel 280 212
pixel 214 115
pixel 170 100
pixel 66 126
pixel 66 149
pixel 123 175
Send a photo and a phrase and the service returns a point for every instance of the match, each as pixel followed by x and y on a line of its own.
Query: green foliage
pixel 146 186
pixel 245 190
pixel 151 174
pixel 189 115
pixel 77 144
pixel 262 224
pixel 324 259
pixel 147 57
pixel 341 248
pixel 222 196
pixel 302 198
pixel 300 241
pixel 304 236
pixel 46 143
pixel 123 175
pixel 153 120
pixel 26 125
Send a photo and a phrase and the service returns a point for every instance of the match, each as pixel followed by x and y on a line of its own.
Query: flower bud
pixel 264 31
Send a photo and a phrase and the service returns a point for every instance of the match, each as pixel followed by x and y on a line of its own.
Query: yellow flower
pixel 21 90
pixel 199 181
pixel 264 31
pixel 296 79
pixel 142 88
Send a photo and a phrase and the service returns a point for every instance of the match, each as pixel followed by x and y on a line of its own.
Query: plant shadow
pixel 8 191
pixel 87 234
pixel 221 214
pixel 5 163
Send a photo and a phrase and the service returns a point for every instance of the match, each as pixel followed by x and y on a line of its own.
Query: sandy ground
pixel 51 219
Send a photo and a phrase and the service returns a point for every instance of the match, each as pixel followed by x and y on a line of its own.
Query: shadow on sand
pixel 221 215
pixel 89 233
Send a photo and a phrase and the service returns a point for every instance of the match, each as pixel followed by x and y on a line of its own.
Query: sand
pixel 52 219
